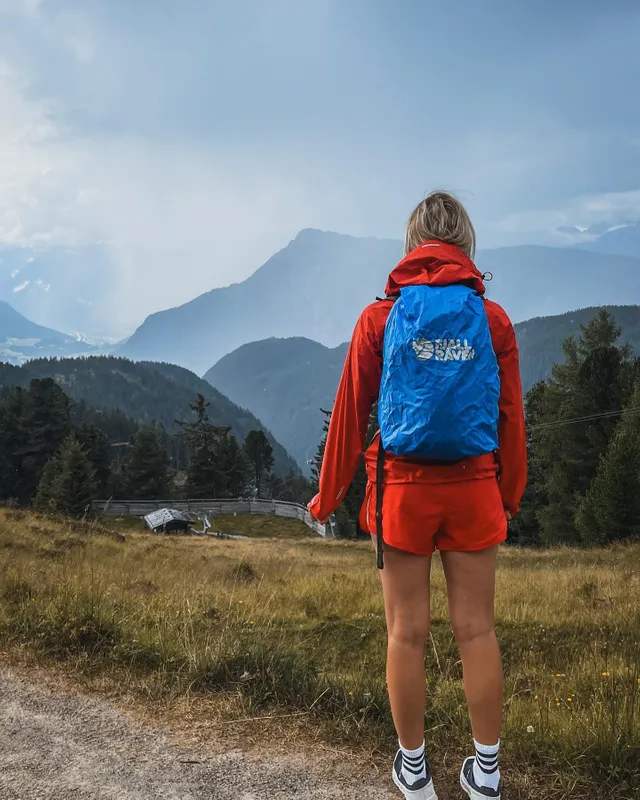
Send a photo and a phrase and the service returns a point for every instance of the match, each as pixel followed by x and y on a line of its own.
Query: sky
pixel 191 139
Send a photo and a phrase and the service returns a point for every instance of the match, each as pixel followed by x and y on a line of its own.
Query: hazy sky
pixel 196 137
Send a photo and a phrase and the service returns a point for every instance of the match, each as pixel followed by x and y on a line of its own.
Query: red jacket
pixel 436 264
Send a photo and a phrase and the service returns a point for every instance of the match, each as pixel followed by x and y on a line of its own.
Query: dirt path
pixel 56 746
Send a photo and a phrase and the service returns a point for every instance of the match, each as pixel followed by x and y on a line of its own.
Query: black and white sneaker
pixel 472 789
pixel 421 789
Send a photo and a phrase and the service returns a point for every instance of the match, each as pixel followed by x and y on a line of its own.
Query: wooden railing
pixel 213 508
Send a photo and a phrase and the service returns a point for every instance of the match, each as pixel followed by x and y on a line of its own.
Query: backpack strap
pixel 379 490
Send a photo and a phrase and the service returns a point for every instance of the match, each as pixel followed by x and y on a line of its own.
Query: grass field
pixel 296 624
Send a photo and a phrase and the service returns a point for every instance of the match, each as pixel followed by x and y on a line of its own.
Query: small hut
pixel 167 520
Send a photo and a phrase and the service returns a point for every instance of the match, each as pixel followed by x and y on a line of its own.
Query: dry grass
pixel 295 626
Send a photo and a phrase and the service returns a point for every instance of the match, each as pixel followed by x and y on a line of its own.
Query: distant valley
pixel 68 289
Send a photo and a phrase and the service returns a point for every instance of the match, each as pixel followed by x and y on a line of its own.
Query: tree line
pixel 60 456
pixel 583 427
pixel 149 394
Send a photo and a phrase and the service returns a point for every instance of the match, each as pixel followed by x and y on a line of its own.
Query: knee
pixel 409 633
pixel 471 628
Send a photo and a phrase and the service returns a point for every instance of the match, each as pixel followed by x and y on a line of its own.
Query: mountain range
pixel 285 382
pixel 276 340
pixel 21 339
pixel 317 285
pixel 623 240
pixel 82 291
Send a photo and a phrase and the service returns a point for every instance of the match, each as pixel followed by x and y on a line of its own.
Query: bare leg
pixel 406 587
pixel 471 589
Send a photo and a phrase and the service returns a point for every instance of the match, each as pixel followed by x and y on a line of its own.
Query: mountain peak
pixel 310 236
pixel 307 233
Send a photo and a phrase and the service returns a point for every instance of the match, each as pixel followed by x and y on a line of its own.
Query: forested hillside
pixel 61 456
pixel 149 394
pixel 287 380
pixel 584 444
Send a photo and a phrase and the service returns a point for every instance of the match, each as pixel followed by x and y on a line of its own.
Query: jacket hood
pixel 435 264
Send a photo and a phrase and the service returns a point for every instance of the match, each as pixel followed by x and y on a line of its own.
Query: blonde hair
pixel 440 216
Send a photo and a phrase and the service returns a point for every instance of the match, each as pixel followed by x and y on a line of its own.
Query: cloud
pixel 192 216
pixel 541 225
pixel 193 140
pixel 21 287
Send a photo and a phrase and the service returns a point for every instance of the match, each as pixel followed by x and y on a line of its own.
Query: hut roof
pixel 165 516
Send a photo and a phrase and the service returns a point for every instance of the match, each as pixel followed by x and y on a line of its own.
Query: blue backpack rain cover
pixel 440 387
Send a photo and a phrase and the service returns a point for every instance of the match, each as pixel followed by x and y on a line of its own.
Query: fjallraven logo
pixel 444 350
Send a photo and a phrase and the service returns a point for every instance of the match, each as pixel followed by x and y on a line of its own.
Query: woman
pixel 457 505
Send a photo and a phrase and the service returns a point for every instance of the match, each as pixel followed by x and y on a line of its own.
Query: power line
pixel 589 418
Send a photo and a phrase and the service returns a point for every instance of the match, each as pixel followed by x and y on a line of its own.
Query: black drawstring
pixel 379 487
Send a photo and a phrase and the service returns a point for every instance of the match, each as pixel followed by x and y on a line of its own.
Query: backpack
pixel 440 387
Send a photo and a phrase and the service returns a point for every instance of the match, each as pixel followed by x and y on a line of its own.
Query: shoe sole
pixel 470 791
pixel 426 793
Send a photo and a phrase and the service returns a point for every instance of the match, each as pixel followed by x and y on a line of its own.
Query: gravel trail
pixel 67 746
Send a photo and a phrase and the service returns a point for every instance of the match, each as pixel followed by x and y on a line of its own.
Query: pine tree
pixel 316 467
pixel 354 497
pixel 259 454
pixel 202 439
pixel 68 484
pixel 96 446
pixel 525 528
pixel 33 425
pixel 13 445
pixel 232 466
pixel 146 470
pixel 610 511
pixel 594 381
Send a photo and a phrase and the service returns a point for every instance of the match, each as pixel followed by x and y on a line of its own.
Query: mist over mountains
pixel 317 285
pixel 275 343
pixel 22 340
pixel 75 290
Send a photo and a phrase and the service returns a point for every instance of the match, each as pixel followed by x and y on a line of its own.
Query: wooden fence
pixel 212 508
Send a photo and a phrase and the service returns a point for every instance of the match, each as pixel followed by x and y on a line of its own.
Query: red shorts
pixel 423 517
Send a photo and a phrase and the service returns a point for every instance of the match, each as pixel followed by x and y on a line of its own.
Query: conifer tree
pixel 259 453
pixel 610 511
pixel 594 381
pixel 202 439
pixel 96 446
pixel 68 484
pixel 354 497
pixel 33 425
pixel 13 445
pixel 525 527
pixel 316 464
pixel 232 466
pixel 146 471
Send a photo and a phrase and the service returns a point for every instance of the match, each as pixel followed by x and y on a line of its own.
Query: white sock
pixel 486 773
pixel 414 765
